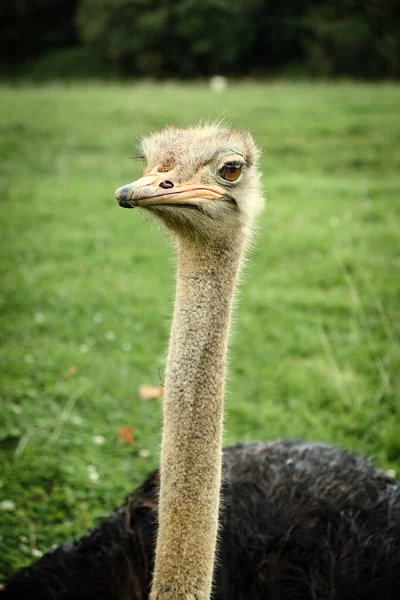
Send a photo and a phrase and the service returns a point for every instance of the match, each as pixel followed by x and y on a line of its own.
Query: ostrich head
pixel 201 182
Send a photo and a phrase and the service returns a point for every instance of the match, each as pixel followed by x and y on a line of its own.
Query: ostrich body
pixel 297 520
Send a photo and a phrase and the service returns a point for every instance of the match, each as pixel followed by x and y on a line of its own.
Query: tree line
pixel 198 38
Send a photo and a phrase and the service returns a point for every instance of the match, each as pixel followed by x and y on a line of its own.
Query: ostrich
pixel 297 520
pixel 195 186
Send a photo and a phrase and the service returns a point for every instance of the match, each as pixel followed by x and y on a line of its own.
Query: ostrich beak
pixel 157 189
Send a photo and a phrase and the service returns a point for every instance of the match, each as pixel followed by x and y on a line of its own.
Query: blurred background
pixel 87 289
pixel 42 39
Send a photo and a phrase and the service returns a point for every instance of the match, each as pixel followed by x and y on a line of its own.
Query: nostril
pixel 166 184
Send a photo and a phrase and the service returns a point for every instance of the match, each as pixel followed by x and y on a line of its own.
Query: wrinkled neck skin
pixel 193 417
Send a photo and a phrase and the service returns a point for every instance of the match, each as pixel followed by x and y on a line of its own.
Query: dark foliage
pixel 350 37
pixel 30 27
pixel 299 522
pixel 187 38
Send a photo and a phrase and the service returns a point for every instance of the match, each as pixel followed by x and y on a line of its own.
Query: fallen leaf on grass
pixel 70 372
pixel 149 392
pixel 125 435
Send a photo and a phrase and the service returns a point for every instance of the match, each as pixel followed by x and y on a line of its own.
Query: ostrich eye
pixel 231 172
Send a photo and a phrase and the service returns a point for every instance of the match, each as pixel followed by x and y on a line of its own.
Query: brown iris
pixel 231 172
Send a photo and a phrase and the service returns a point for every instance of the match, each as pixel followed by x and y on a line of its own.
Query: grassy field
pixel 87 289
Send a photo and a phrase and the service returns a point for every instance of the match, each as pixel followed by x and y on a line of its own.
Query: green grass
pixel 315 350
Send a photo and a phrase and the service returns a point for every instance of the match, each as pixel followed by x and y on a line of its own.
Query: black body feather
pixel 298 522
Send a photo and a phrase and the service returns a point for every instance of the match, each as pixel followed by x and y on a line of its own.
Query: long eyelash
pixel 235 163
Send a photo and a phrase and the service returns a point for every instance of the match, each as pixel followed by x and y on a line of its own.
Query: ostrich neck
pixel 193 414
